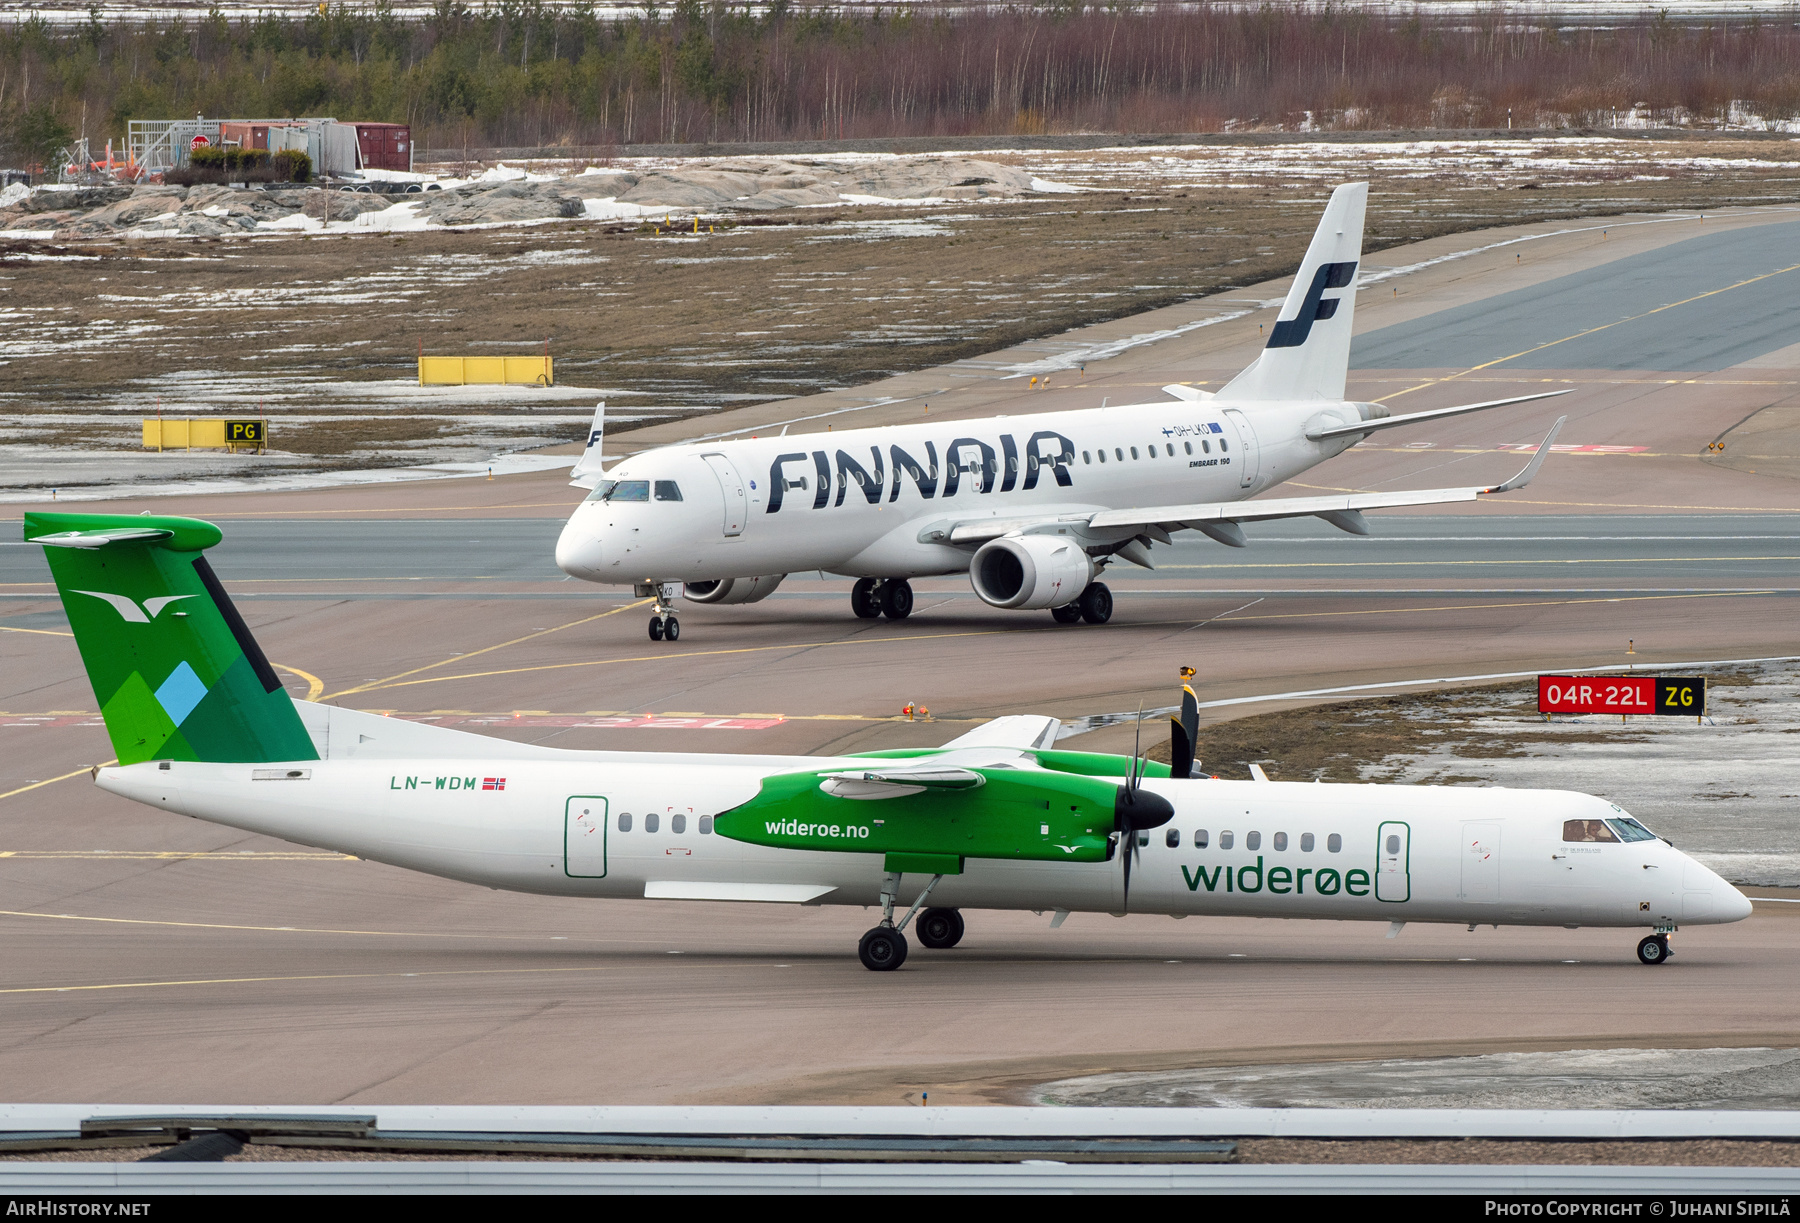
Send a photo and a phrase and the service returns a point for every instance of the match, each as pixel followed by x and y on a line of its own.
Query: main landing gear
pixel 1655 949
pixel 1095 606
pixel 872 598
pixel 663 624
pixel 883 949
pixel 940 929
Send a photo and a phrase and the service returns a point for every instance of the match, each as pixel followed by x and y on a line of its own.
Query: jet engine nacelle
pixel 1030 572
pixel 732 590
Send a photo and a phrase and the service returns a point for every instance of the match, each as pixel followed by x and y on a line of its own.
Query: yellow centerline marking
pixel 314 685
pixel 1590 331
pixel 1619 560
pixel 49 781
pixel 323 976
pixel 47 632
pixel 182 855
pixel 389 681
pixel 204 925
pixel 808 645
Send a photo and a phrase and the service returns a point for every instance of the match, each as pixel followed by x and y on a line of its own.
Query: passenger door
pixel 1393 871
pixel 1481 863
pixel 736 502
pixel 1249 461
pixel 584 837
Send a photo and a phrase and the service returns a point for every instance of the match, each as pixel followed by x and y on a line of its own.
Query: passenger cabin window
pixel 706 825
pixel 624 821
pixel 1118 454
pixel 1587 830
pixel 678 824
pixel 1281 842
pixel 1143 839
pixel 1170 447
pixel 1393 843
pixel 1188 446
pixel 1630 830
pixel 1222 445
pixel 668 490
pixel 651 821
pixel 1334 843
pixel 1103 456
pixel 1253 840
pixel 1172 838
pixel 1205 446
pixel 1134 452
pixel 1306 842
pixel 1199 838
pixel 1224 840
pixel 1087 457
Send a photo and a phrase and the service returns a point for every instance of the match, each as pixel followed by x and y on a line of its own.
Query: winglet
pixel 1537 461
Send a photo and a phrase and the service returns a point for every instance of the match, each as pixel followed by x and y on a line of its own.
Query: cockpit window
pixel 626 490
pixel 1587 830
pixel 668 490
pixel 1630 830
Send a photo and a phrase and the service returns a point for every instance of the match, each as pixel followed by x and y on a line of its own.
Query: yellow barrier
pixel 204 434
pixel 464 371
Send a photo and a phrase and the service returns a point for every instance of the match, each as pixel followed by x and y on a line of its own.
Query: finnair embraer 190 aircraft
pixel 1032 507
pixel 998 818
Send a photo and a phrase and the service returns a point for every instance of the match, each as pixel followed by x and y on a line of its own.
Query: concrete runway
pixel 156 958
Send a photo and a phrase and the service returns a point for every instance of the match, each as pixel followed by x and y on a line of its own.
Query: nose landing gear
pixel 1655 949
pixel 663 624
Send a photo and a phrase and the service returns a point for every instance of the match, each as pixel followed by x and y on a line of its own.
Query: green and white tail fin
pixel 175 670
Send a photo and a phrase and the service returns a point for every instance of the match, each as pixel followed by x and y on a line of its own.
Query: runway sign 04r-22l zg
pixel 1677 696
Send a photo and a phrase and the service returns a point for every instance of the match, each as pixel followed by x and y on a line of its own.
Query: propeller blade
pixel 1128 855
pixel 1137 744
pixel 1181 754
pixel 1190 726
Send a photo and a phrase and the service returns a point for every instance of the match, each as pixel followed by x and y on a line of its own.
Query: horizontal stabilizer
pixel 1413 418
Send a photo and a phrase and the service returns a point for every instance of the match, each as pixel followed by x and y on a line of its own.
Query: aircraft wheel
pixel 896 599
pixel 939 929
pixel 1068 613
pixel 671 629
pixel 863 601
pixel 882 949
pixel 1096 603
pixel 1654 950
pixel 656 630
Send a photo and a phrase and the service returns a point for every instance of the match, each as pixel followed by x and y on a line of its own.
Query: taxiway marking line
pixel 1591 331
pixel 323 976
pixel 47 632
pixel 1621 560
pixel 153 855
pixel 314 685
pixel 389 681
pixel 1608 505
pixel 201 925
pixel 53 780
pixel 809 645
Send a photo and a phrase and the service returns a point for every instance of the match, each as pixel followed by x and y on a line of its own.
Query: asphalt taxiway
pixel 154 957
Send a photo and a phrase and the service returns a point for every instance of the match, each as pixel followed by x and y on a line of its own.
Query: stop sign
pixel 200 142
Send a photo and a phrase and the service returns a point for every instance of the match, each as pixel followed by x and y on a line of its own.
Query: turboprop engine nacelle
pixel 1028 572
pixel 732 590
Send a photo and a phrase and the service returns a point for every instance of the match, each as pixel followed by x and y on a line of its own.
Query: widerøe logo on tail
pixel 130 610
pixel 1316 308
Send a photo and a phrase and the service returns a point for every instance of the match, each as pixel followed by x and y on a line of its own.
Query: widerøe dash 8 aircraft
pixel 1033 508
pixel 995 819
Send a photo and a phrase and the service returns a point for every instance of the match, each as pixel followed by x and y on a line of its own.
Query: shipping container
pixel 384 146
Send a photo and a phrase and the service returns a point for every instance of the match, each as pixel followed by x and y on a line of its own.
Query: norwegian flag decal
pixel 493 783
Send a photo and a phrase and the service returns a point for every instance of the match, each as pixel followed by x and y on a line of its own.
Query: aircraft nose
pixel 1732 904
pixel 578 551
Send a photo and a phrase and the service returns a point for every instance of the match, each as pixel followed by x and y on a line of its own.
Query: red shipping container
pixel 384 146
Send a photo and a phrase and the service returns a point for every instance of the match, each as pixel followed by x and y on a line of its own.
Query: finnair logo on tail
pixel 130 611
pixel 1292 333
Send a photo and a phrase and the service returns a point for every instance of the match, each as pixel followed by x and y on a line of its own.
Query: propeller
pixel 1137 810
pixel 1184 730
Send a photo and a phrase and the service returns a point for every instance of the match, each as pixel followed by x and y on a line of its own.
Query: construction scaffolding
pixel 157 145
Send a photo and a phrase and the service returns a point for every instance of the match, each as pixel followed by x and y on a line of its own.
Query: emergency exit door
pixel 1393 871
pixel 736 502
pixel 1249 461
pixel 1481 862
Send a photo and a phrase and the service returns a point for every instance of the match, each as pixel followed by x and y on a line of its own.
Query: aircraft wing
pixel 1026 731
pixel 1342 510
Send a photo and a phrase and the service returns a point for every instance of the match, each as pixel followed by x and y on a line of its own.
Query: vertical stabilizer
pixel 1308 351
pixel 586 472
pixel 175 670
